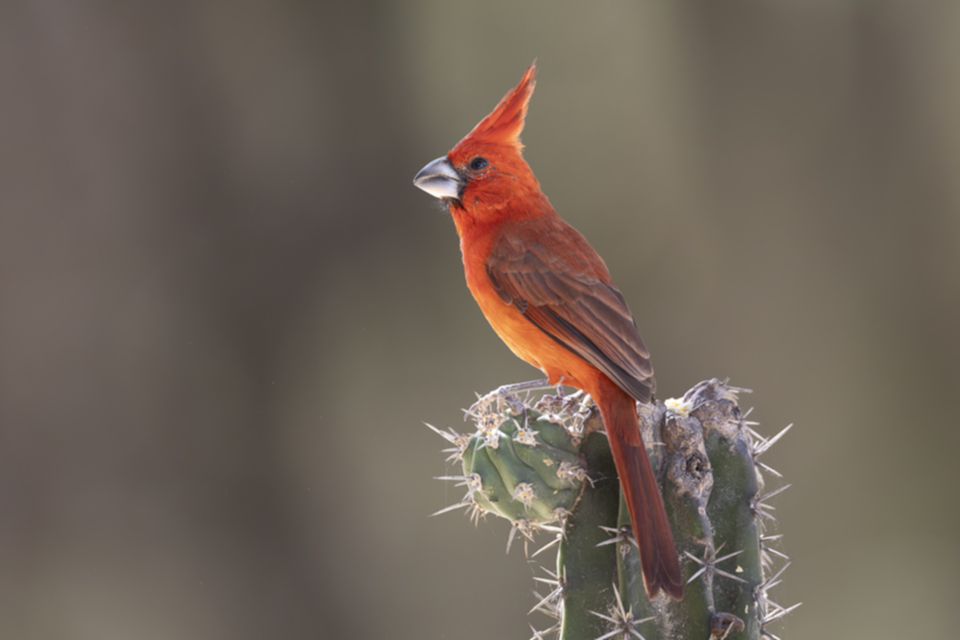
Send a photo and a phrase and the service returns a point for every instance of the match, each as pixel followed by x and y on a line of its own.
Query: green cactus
pixel 547 467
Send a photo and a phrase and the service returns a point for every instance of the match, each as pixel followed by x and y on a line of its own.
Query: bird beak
pixel 440 180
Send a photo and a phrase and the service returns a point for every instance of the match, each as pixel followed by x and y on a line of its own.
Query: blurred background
pixel 225 312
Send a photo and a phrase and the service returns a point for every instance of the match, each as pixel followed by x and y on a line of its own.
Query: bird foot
pixel 506 393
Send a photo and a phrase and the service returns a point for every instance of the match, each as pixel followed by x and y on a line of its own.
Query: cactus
pixel 547 467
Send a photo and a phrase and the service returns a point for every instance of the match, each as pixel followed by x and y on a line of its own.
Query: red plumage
pixel 549 296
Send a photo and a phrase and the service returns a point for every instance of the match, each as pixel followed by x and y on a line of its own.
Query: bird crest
pixel 504 124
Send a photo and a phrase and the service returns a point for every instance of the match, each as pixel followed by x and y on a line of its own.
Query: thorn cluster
pixel 621 619
pixel 708 566
pixel 550 604
pixel 769 610
pixel 571 410
pixel 458 440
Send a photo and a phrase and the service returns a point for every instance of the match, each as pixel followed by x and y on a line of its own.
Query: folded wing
pixel 584 314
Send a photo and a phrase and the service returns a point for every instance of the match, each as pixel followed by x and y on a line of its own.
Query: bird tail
pixel 658 555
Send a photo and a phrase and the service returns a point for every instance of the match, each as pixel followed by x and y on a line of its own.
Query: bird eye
pixel 478 163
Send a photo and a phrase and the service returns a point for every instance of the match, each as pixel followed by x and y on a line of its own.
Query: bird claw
pixel 506 393
pixel 501 394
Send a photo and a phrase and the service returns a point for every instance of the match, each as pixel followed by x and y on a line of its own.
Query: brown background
pixel 225 312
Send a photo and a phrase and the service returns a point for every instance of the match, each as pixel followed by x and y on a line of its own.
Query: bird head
pixel 485 171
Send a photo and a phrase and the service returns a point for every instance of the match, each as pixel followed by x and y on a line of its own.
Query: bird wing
pixel 581 312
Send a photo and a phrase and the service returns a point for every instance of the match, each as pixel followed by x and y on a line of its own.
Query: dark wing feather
pixel 582 313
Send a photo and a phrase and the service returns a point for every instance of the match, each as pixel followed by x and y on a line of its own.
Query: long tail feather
pixel 658 555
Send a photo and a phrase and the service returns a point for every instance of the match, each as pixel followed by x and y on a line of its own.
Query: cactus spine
pixel 547 468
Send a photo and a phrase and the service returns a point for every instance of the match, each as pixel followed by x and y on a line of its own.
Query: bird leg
pixel 507 393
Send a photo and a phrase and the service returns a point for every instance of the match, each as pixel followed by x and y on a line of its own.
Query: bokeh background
pixel 225 312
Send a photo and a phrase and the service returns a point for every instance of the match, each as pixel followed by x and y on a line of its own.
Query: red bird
pixel 549 296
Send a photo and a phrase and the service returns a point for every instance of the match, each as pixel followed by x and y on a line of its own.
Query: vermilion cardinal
pixel 549 296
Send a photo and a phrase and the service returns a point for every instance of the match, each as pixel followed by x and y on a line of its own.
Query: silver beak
pixel 440 179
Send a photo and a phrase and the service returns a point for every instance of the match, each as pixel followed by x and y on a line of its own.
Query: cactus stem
pixel 528 462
